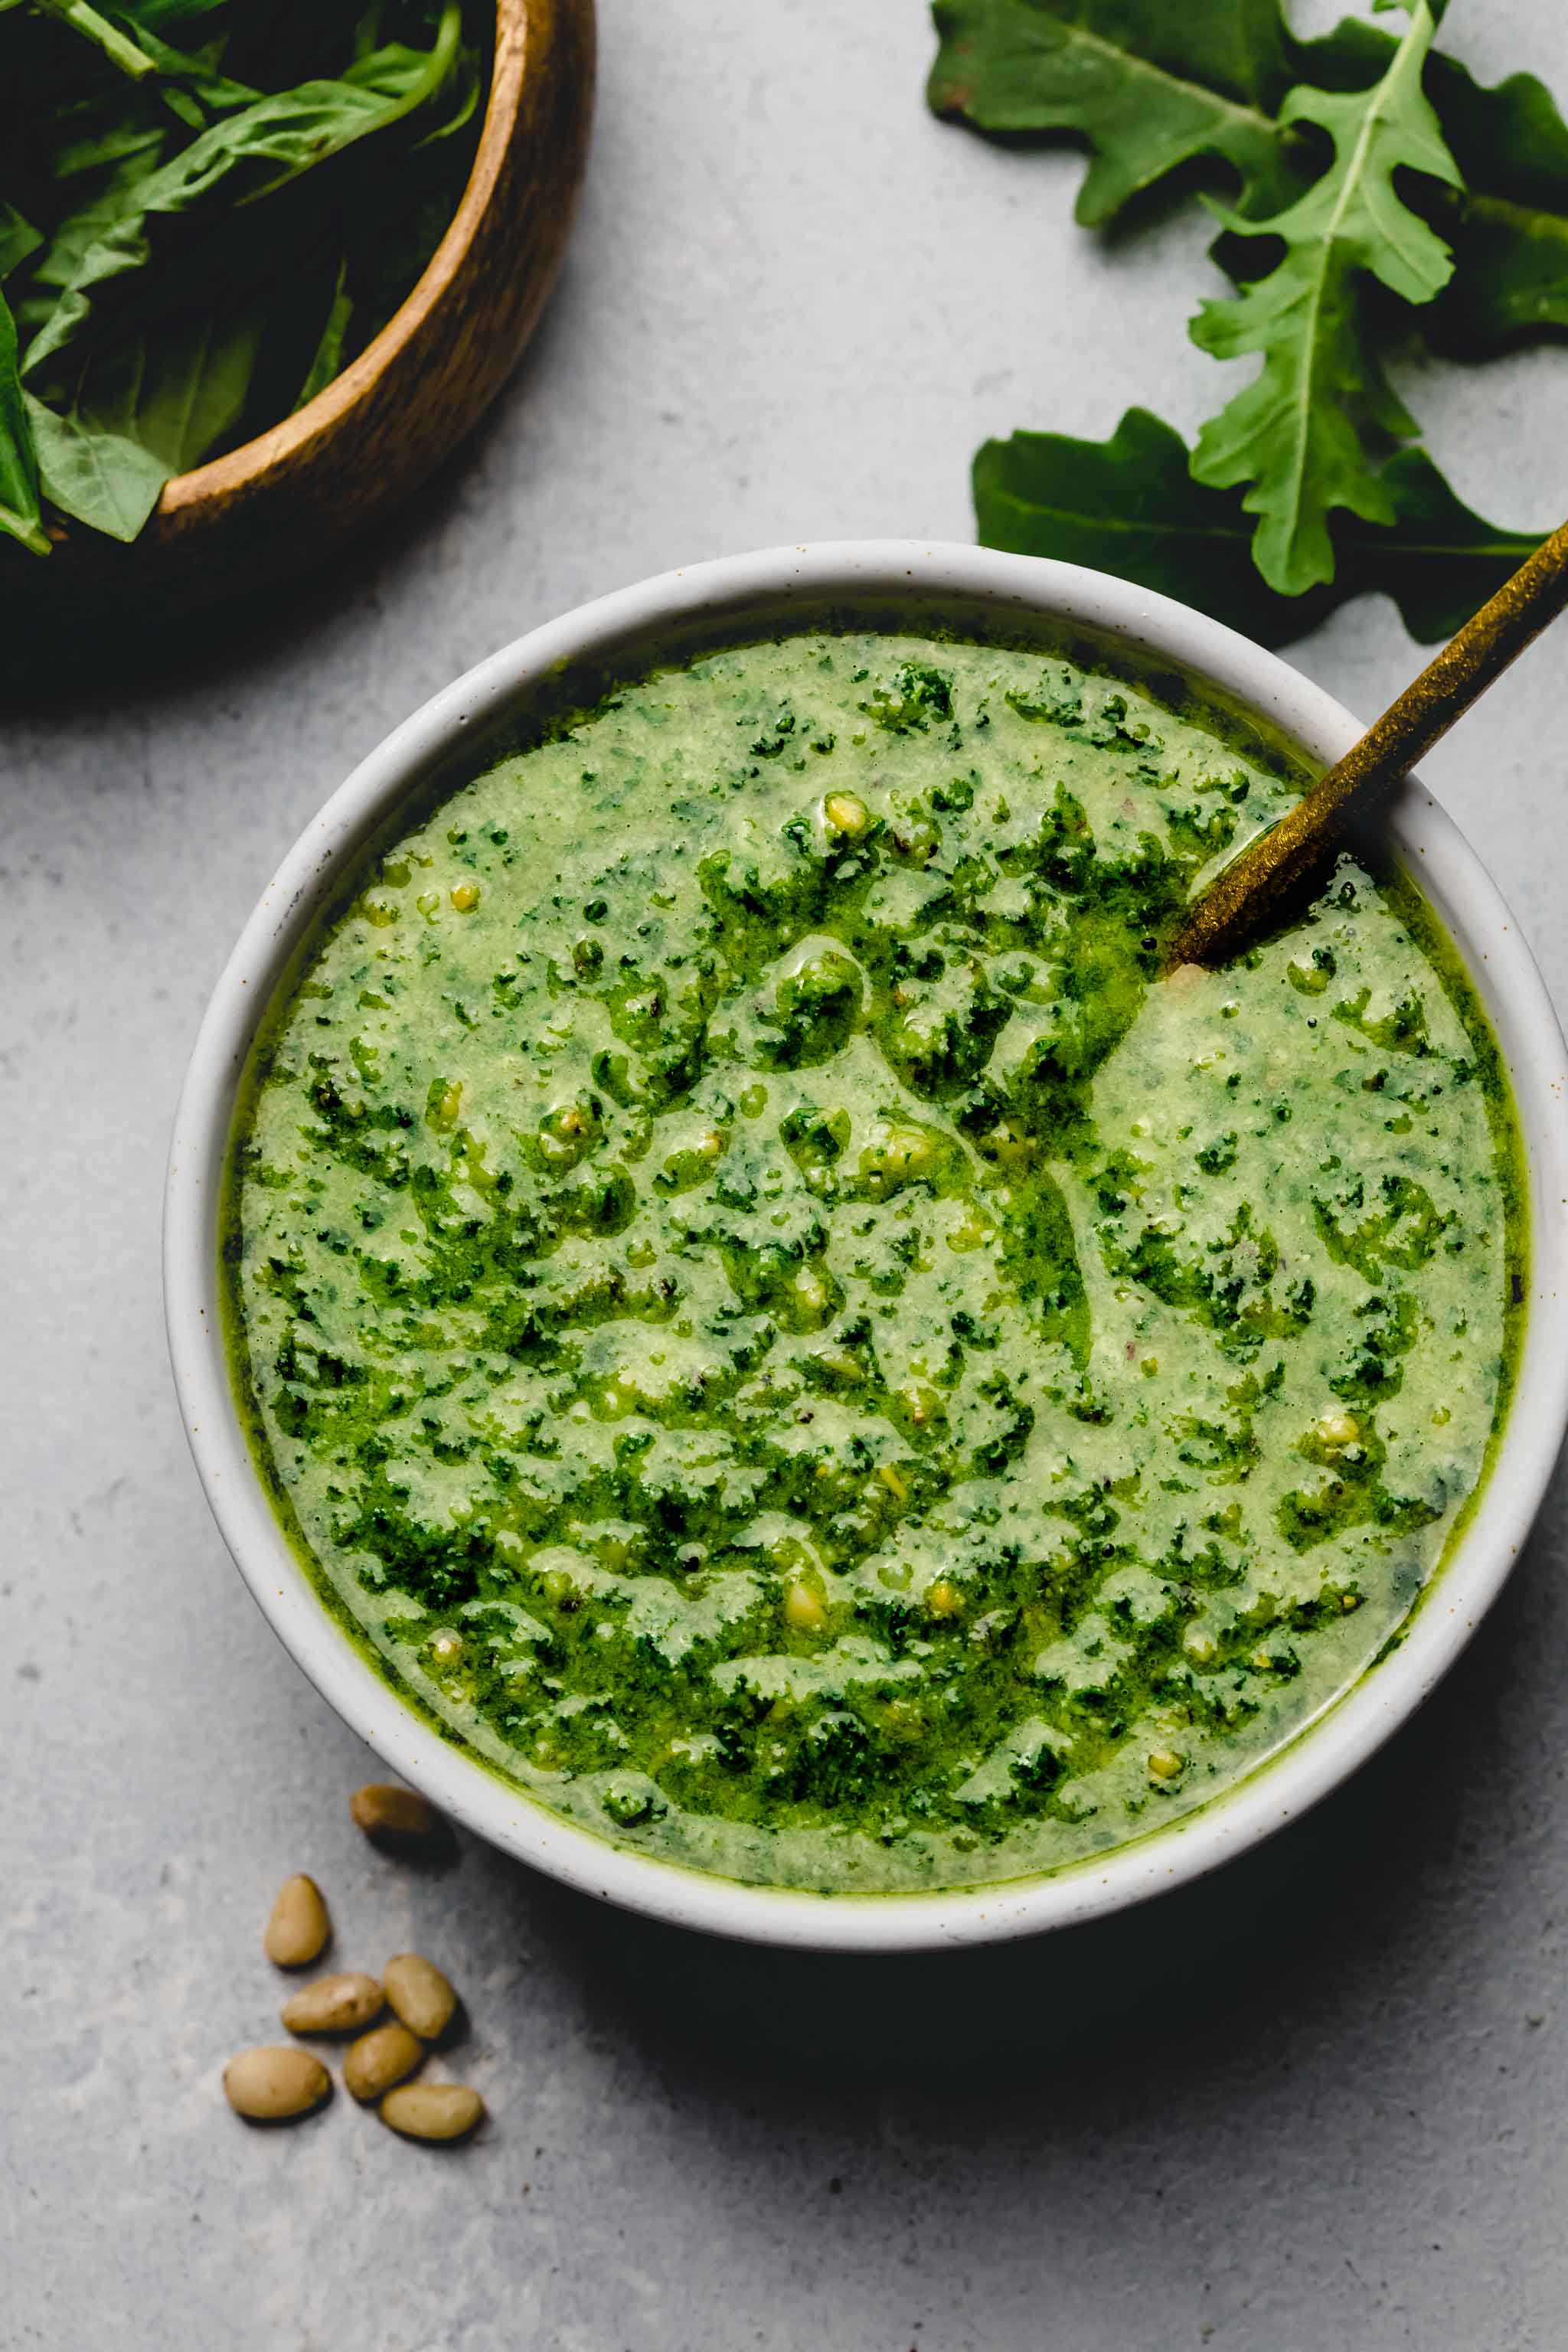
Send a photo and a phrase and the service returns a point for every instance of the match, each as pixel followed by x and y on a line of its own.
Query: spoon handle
pixel 1263 876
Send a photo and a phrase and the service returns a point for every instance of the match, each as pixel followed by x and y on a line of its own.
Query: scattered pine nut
pixel 298 1930
pixel 274 2086
pixel 278 2085
pixel 378 2060
pixel 432 2111
pixel 339 2004
pixel 397 1816
pixel 419 1994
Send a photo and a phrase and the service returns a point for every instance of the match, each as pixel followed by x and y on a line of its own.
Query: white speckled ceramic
pixel 937 582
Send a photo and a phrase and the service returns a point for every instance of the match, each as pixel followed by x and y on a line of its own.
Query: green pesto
pixel 793 1342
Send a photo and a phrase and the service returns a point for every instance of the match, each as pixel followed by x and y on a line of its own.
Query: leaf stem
pixel 115 46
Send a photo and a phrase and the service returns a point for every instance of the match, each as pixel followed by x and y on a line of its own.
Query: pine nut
pixel 432 2110
pixel 419 1994
pixel 340 2005
pixel 378 2060
pixel 298 1930
pixel 846 813
pixel 803 1610
pixel 398 1817
pixel 274 2086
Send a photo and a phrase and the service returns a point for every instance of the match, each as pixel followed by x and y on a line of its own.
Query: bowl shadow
pixel 1316 1922
pixel 137 654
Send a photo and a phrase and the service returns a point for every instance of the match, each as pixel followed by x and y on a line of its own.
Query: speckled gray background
pixel 1320 2103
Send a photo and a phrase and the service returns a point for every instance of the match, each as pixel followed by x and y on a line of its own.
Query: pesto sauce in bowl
pixel 788 1338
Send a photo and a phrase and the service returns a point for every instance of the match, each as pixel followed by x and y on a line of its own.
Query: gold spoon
pixel 1260 881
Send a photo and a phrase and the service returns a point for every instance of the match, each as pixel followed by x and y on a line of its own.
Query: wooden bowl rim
pixel 243 467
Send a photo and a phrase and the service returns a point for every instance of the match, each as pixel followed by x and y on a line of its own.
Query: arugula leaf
pixel 1130 506
pixel 1305 432
pixel 1510 243
pixel 1148 84
pixel 1439 562
pixel 20 513
pixel 1509 227
pixel 1152 85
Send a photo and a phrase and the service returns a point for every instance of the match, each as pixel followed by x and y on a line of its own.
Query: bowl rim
pixel 276 446
pixel 770 584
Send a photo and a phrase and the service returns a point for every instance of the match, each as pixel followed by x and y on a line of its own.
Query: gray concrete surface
pixel 1317 2105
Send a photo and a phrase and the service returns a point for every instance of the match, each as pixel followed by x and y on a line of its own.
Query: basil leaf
pixel 206 206
pixel 19 238
pixel 201 88
pixel 99 477
pixel 1130 506
pixel 136 138
pixel 148 15
pixel 20 514
pixel 115 195
pixel 175 394
pixel 328 359
pixel 237 163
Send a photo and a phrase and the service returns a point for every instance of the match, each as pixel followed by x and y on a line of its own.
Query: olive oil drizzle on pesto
pixel 791 1342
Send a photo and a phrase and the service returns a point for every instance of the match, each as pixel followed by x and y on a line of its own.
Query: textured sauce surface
pixel 789 1338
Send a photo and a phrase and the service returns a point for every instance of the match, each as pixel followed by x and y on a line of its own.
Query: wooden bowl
pixel 278 504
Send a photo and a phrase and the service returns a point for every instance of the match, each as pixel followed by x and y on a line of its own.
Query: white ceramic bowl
pixel 881 578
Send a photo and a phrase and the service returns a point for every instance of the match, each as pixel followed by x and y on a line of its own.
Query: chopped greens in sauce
pixel 787 1336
